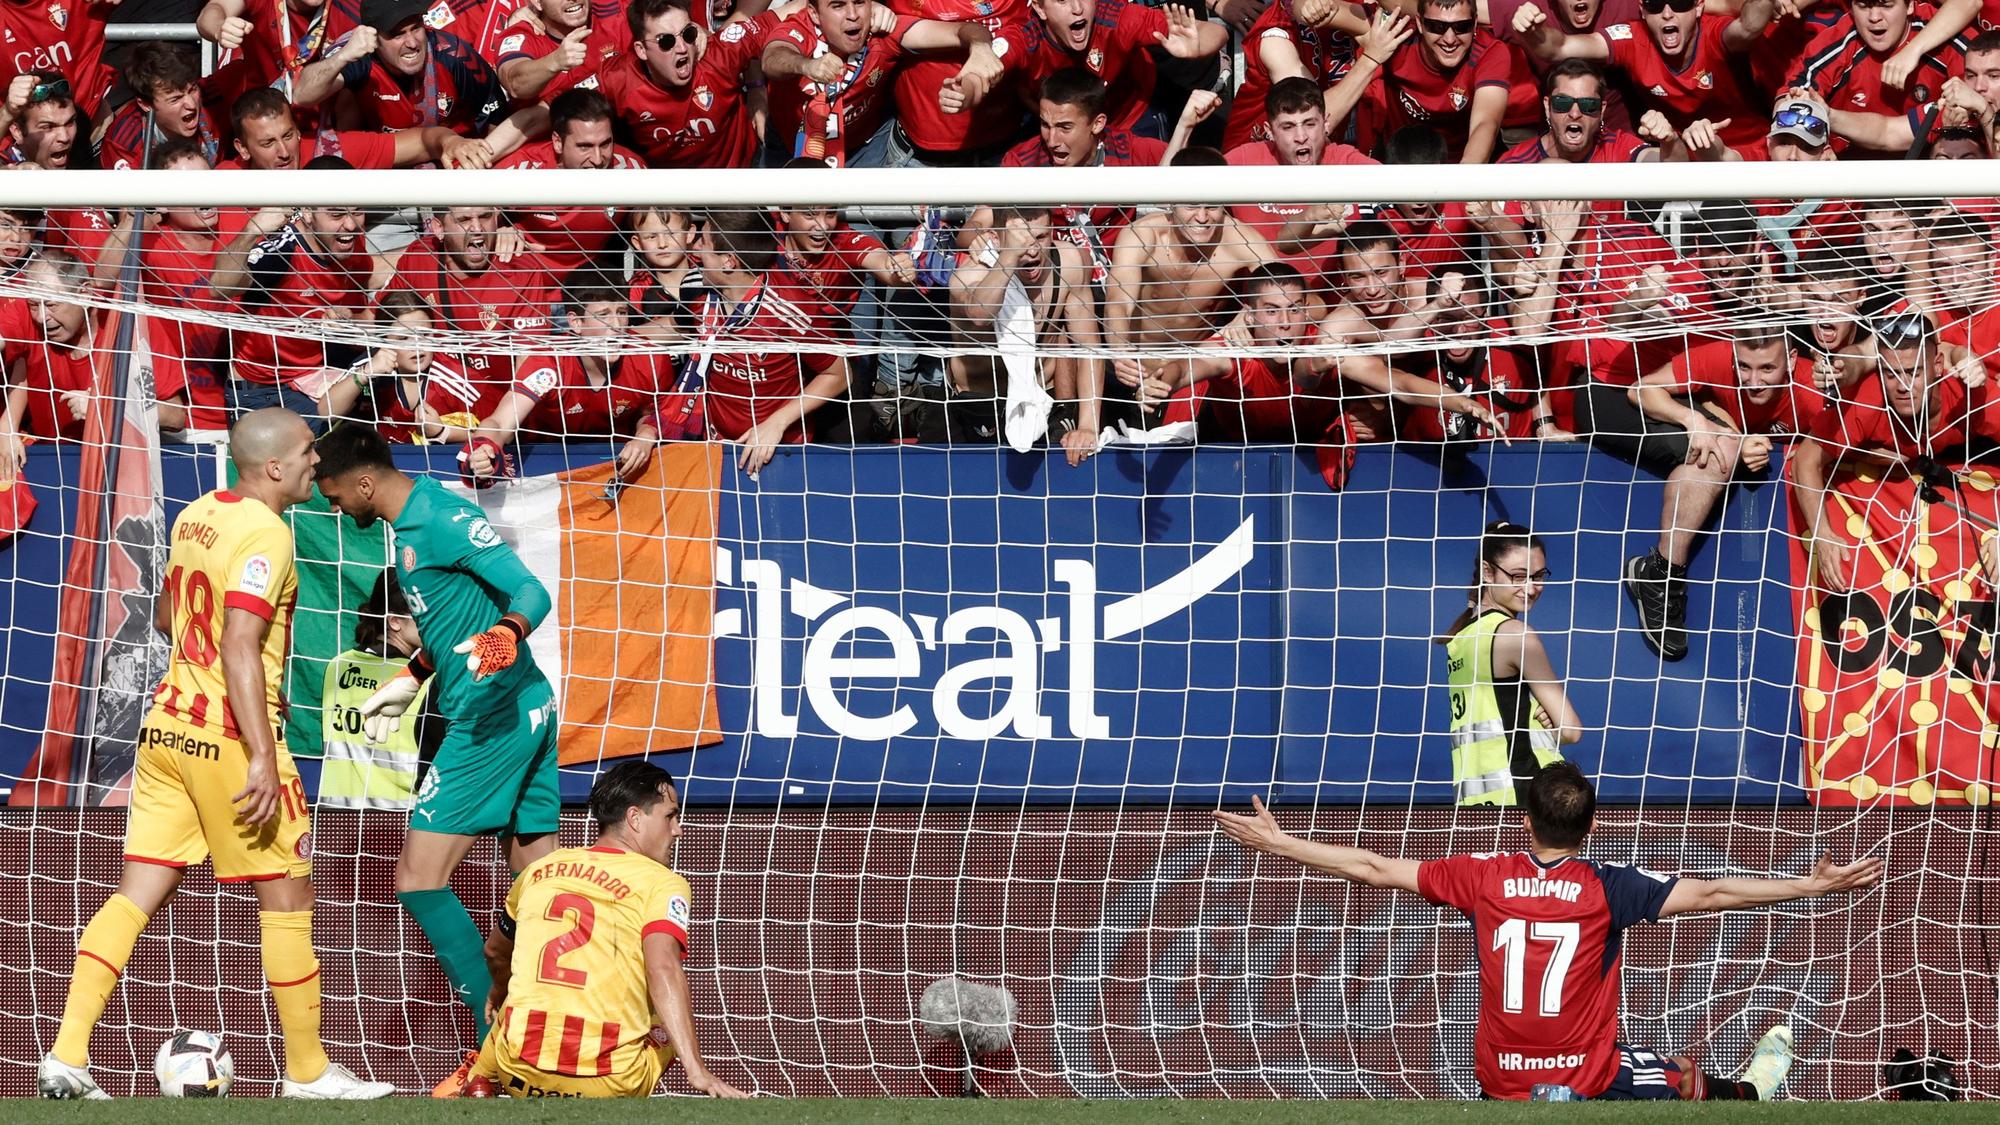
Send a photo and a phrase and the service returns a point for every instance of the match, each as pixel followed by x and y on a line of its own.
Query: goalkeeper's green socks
pixel 460 950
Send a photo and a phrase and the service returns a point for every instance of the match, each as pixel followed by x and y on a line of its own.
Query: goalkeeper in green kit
pixel 495 772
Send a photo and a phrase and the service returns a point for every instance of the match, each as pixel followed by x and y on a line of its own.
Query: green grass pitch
pixel 827 1111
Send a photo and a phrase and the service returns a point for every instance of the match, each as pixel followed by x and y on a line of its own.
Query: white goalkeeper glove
pixel 382 713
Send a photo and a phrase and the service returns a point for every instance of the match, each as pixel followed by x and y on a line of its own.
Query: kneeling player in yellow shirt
pixel 588 993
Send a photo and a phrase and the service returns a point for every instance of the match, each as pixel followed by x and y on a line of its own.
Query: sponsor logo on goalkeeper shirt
pixel 1011 691
pixel 1515 1060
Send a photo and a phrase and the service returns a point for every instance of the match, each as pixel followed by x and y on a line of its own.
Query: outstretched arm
pixel 1359 865
pixel 1730 894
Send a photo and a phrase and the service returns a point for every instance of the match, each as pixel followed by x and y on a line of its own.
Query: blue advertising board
pixel 926 625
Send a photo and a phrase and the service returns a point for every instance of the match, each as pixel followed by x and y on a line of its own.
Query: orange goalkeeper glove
pixel 494 650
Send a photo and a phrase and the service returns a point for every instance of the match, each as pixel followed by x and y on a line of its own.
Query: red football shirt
pixel 569 403
pixel 50 369
pixel 457 89
pixel 569 236
pixel 745 387
pixel 863 99
pixel 175 270
pixel 512 296
pixel 1270 218
pixel 1548 941
pixel 1849 76
pixel 287 279
pixel 363 150
pixel 462 394
pixel 834 277
pixel 1411 90
pixel 1501 376
pixel 1867 422
pixel 1707 84
pixel 996 120
pixel 701 125
pixel 60 35
pixel 123 145
pixel 1614 146
pixel 1608 257
pixel 1094 229
pixel 610 37
pixel 478 22
pixel 1429 245
pixel 1327 55
pixel 1708 368
pixel 1119 51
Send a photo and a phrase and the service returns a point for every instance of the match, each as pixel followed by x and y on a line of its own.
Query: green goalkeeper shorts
pixel 496 774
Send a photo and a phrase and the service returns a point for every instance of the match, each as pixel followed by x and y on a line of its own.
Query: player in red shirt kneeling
pixel 1547 924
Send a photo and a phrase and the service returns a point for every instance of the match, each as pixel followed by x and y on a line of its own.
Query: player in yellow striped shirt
pixel 589 999
pixel 211 777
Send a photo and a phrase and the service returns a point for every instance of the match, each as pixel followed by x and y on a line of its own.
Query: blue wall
pixel 1308 667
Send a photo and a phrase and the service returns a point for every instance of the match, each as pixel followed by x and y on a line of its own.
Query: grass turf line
pixel 952 1111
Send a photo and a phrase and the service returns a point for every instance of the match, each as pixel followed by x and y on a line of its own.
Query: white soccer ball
pixel 193 1064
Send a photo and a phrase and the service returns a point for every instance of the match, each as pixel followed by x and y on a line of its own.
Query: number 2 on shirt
pixel 1512 937
pixel 576 937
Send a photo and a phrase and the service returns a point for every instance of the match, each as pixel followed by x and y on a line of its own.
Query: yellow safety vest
pixel 1494 733
pixel 357 775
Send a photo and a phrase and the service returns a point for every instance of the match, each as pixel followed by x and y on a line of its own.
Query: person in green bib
pixel 1509 714
pixel 474 603
pixel 357 773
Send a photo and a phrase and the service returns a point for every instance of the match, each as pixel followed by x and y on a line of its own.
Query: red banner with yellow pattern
pixel 1895 672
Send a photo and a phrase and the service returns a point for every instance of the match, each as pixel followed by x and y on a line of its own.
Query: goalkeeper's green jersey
pixel 460 578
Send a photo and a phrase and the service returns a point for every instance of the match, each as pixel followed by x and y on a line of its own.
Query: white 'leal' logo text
pixel 1015 670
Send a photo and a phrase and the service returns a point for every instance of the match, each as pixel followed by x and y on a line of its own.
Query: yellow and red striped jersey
pixel 577 1003
pixel 227 552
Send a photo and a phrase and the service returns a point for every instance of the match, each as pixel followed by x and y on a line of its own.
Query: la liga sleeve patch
pixel 256 576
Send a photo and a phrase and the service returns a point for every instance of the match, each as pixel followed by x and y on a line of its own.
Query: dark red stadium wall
pixel 1147 958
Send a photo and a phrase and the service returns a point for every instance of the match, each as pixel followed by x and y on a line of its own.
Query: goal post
pixel 948 697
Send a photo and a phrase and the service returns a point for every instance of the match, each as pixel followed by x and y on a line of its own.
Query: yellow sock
pixel 293 970
pixel 100 956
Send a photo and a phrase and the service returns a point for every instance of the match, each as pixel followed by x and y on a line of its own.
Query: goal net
pixel 1107 515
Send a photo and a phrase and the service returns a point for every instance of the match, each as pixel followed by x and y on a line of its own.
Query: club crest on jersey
pixel 59 16
pixel 1705 80
pixel 489 318
pixel 1921 94
pixel 409 558
pixel 1095 59
pixel 703 97
pixel 444 103
pixel 1458 97
pixel 438 16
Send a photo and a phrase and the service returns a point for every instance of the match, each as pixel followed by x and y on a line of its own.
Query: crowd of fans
pixel 1860 323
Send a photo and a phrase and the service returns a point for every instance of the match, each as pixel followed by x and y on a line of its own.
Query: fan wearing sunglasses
pixel 1683 62
pixel 1844 63
pixel 1455 79
pixel 681 95
pixel 552 45
pixel 1573 106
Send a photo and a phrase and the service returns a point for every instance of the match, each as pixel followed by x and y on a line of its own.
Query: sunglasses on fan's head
pixel 1655 7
